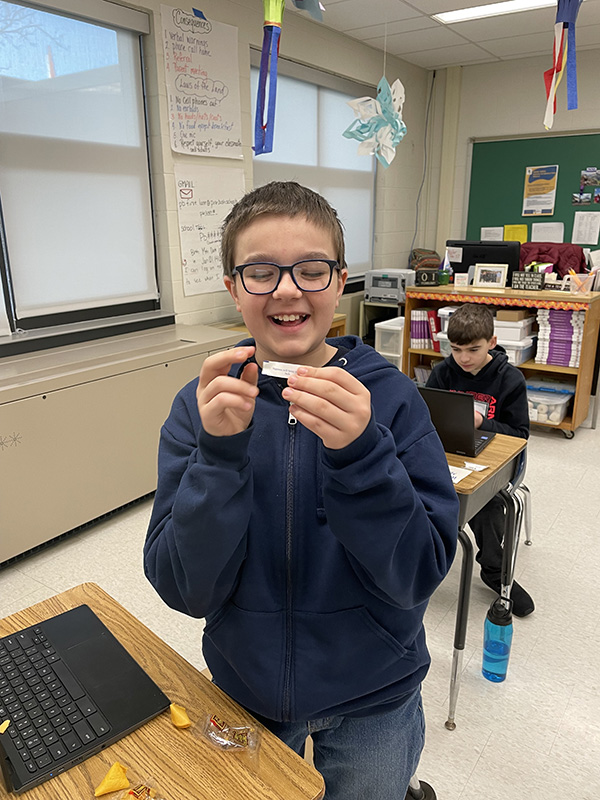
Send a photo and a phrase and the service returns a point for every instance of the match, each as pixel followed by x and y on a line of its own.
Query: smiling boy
pixel 308 521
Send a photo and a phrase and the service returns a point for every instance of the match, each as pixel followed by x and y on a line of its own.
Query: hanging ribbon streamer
pixel 379 127
pixel 563 59
pixel 264 128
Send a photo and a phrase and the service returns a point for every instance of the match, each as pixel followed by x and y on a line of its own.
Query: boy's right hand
pixel 226 404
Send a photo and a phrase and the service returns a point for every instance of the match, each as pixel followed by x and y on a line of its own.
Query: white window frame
pixel 83 321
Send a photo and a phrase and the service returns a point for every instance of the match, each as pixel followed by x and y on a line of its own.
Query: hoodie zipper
pixel 289 517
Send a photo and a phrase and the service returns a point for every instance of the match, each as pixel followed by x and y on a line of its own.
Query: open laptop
pixel 453 417
pixel 69 689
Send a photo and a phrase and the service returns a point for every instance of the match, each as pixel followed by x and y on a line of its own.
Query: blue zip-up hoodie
pixel 313 567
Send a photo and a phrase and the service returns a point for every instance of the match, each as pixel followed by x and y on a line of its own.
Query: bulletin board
pixel 498 179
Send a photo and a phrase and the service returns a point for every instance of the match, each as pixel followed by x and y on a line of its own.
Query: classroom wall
pixel 310 43
pixel 507 99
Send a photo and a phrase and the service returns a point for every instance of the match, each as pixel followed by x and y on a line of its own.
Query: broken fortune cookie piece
pixel 179 716
pixel 114 780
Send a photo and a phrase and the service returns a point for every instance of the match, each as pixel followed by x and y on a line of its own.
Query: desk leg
pixel 460 629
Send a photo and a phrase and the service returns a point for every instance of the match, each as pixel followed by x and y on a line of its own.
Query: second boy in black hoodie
pixel 478 367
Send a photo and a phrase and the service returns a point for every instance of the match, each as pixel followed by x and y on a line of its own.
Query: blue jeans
pixel 362 758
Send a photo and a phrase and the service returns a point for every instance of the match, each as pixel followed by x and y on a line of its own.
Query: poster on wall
pixel 205 195
pixel 589 188
pixel 586 227
pixel 539 195
pixel 203 92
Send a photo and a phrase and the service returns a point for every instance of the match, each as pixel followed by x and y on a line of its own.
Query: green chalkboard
pixel 498 180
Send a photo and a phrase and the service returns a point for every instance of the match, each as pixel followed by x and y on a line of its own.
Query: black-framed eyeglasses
pixel 313 275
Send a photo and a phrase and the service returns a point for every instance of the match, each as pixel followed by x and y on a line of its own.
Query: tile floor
pixel 536 736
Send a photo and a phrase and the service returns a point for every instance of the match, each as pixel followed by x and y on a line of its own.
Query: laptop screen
pixel 453 417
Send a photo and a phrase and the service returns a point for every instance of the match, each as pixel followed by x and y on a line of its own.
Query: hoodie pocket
pixel 245 651
pixel 345 659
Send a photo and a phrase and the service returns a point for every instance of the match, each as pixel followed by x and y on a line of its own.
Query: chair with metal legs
pixel 525 494
pixel 419 790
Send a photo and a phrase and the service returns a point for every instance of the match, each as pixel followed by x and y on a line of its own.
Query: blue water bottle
pixel 497 638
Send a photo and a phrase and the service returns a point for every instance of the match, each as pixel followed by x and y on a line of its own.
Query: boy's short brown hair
pixel 469 323
pixel 286 198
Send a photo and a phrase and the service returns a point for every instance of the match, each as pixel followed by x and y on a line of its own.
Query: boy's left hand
pixel 330 402
pixel 478 419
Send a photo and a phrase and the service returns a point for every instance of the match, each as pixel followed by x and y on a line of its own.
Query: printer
pixel 388 285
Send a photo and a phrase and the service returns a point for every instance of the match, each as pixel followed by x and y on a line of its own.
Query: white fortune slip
pixel 279 369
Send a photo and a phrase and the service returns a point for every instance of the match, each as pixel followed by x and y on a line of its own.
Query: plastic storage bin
pixel 445 349
pixel 444 315
pixel 520 351
pixel 513 329
pixel 538 384
pixel 388 336
pixel 517 352
pixel 548 407
pixel 393 359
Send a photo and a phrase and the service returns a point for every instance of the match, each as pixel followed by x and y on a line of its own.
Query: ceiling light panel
pixel 491 10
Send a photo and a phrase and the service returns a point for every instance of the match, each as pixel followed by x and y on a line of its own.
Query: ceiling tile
pixel 374 31
pixel 482 30
pixel 414 41
pixel 589 14
pixel 530 45
pixel 352 14
pixel 450 56
pixel 405 29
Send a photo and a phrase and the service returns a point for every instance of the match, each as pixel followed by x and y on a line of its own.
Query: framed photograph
pixel 490 276
pixel 461 279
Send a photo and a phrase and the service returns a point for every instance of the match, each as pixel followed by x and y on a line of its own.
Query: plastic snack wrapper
pixel 142 791
pixel 239 739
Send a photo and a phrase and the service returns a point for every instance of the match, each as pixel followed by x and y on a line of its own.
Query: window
pixel 310 117
pixel 77 231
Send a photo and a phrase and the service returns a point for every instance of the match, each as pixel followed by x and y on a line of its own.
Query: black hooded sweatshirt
pixel 499 384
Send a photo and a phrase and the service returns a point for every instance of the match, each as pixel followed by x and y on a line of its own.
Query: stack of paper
pixel 420 336
pixel 559 337
pixel 422 374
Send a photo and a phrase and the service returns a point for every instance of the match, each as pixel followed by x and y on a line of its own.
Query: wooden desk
pixel 502 457
pixel 179 763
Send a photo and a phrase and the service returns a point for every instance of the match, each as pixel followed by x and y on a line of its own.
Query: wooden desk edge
pixel 499 452
pixel 277 774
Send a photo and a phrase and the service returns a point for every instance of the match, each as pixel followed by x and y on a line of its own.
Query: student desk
pixel 502 457
pixel 179 763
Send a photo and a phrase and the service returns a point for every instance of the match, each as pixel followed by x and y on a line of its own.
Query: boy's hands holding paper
pixel 330 402
pixel 225 403
pixel 327 400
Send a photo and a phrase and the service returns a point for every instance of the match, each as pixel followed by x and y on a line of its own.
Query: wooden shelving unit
pixel 438 296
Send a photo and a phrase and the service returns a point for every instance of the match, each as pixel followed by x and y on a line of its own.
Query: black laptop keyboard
pixel 50 714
